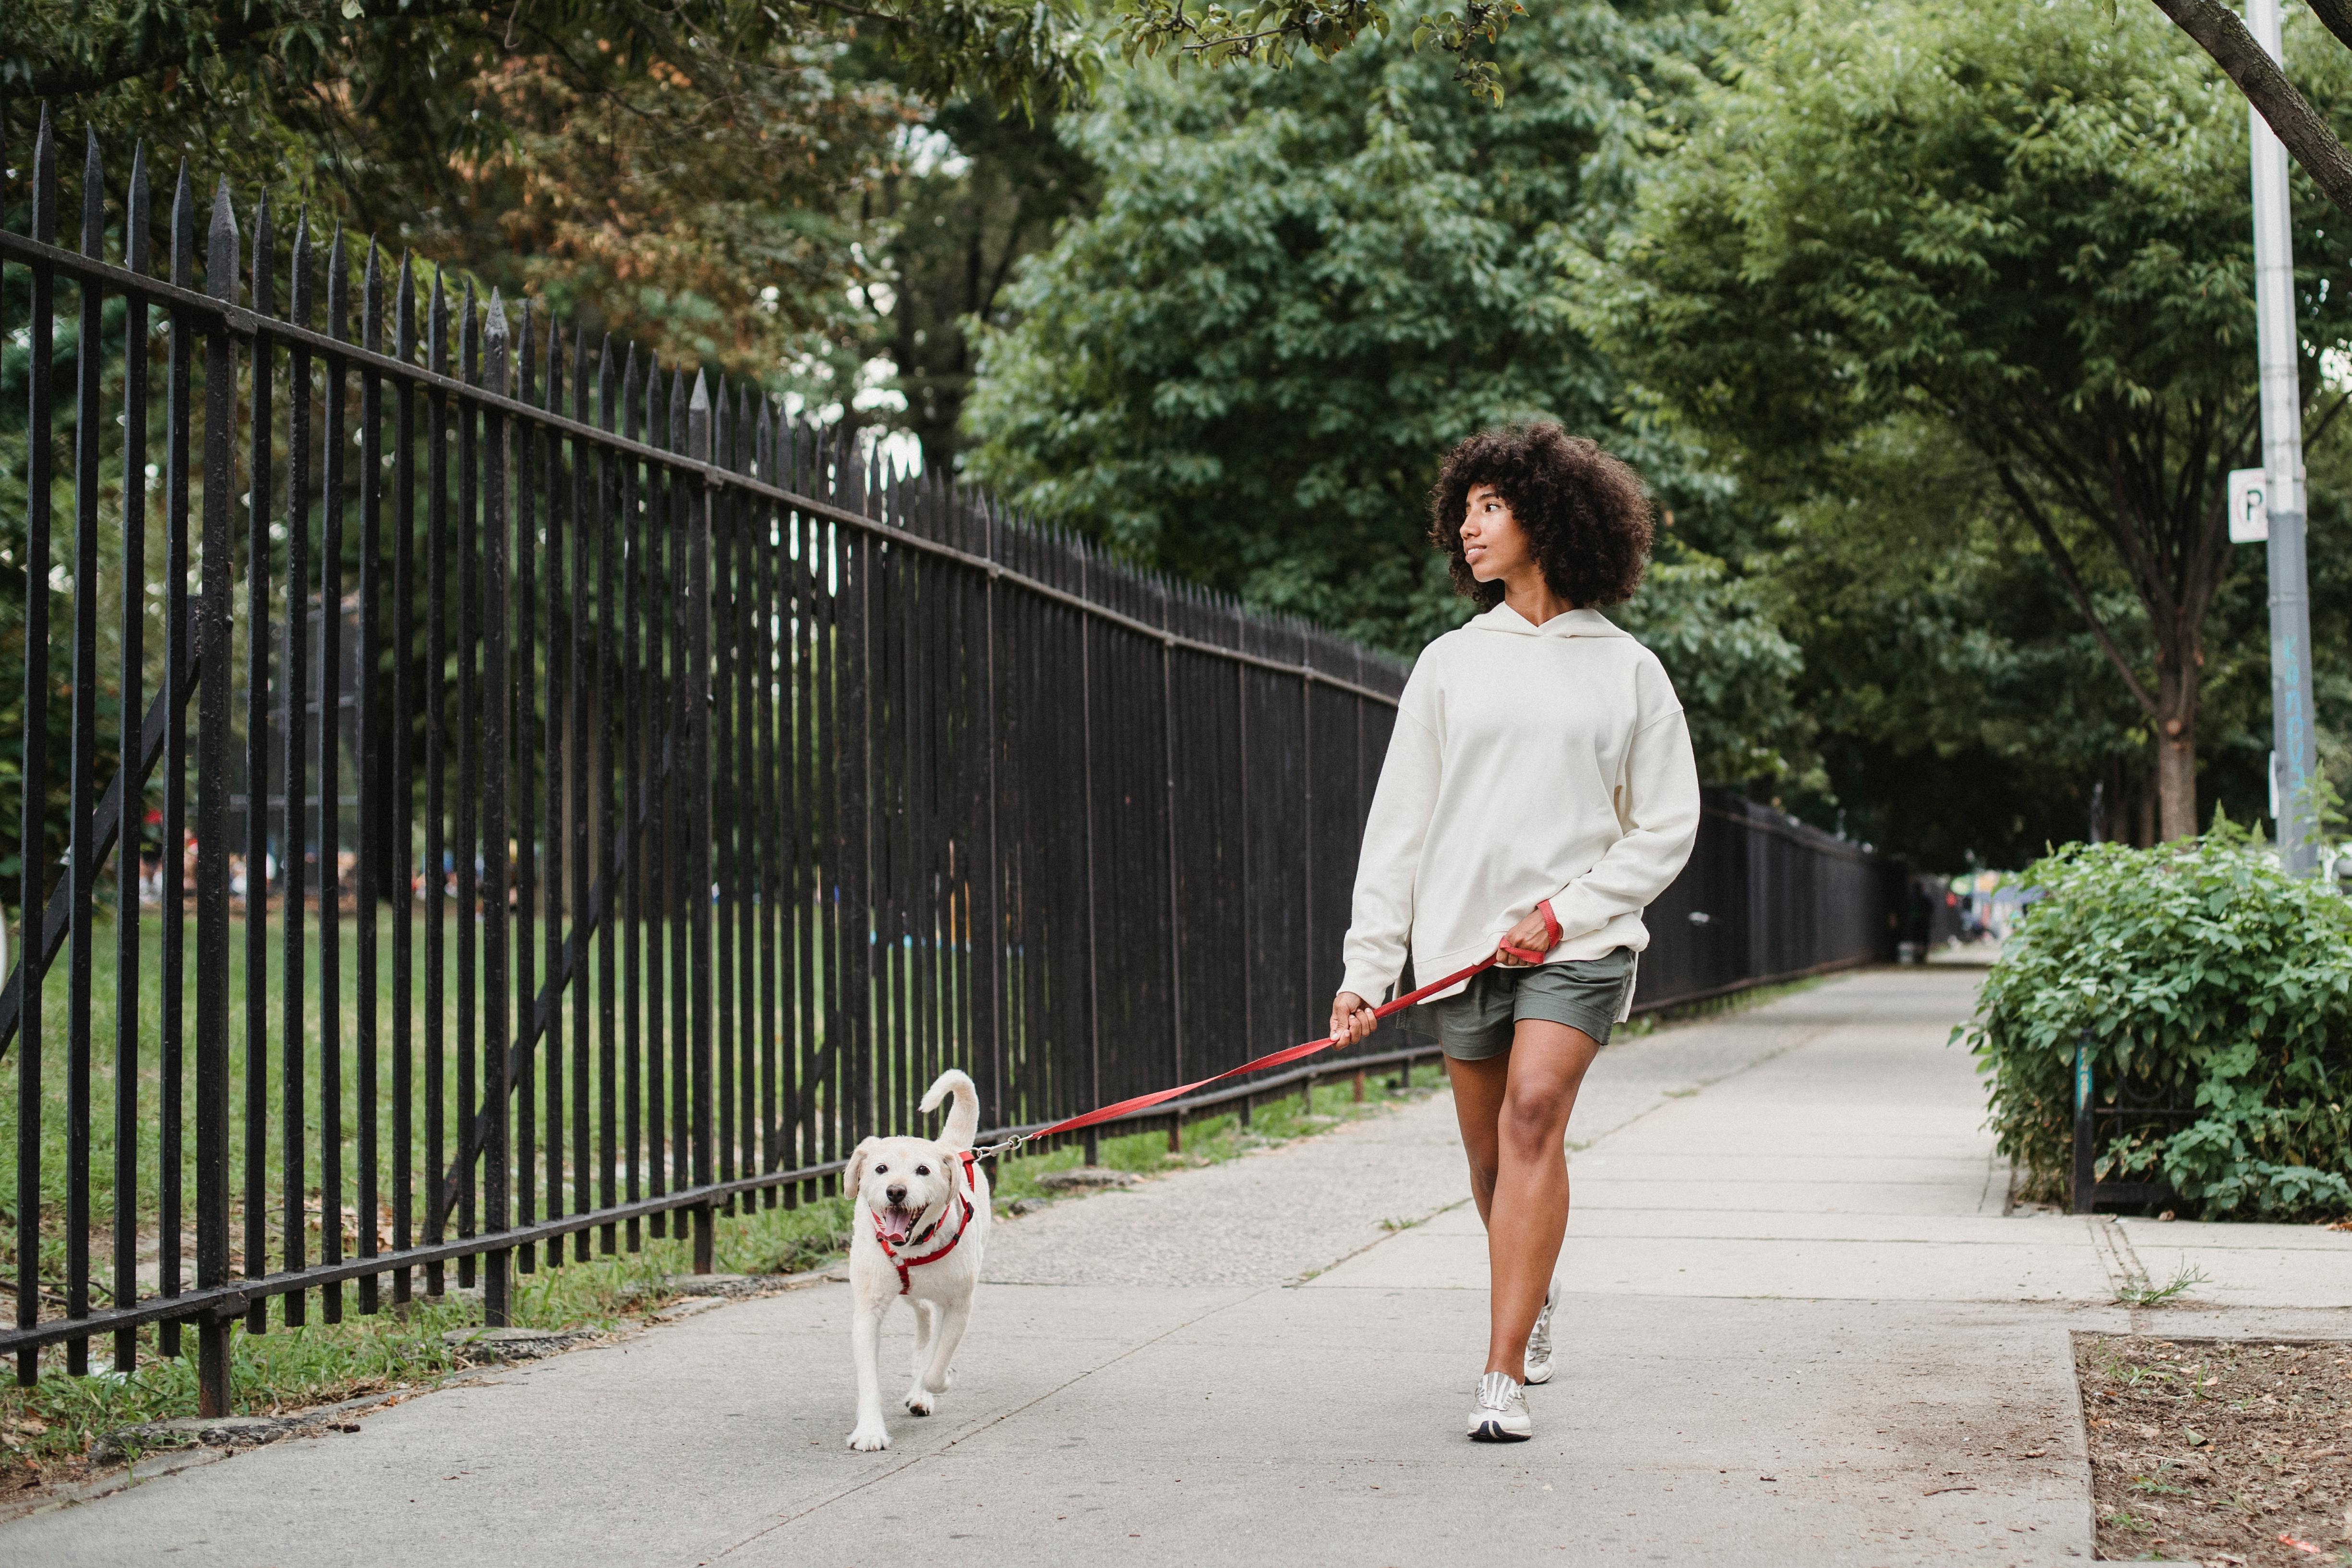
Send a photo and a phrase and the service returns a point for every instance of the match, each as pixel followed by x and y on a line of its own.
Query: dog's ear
pixel 854 1176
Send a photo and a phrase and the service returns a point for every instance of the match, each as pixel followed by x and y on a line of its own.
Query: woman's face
pixel 1493 543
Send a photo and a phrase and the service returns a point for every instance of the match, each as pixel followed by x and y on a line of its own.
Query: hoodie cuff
pixel 1576 912
pixel 1369 984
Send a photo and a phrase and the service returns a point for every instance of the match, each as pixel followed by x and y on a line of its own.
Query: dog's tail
pixel 963 1120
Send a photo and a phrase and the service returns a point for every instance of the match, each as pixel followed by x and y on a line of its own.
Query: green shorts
pixel 1586 994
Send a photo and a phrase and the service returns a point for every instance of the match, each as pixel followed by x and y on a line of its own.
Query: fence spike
pixel 135 211
pixel 579 388
pixel 339 282
pixel 220 253
pixel 403 311
pixel 265 239
pixel 45 182
pixel 522 348
pixel 93 196
pixel 554 402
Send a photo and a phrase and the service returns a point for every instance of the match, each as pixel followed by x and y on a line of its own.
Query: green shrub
pixel 2207 980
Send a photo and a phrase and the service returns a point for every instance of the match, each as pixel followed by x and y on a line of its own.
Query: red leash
pixel 1289 1053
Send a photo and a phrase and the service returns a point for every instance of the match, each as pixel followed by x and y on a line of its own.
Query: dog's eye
pixel 922 1170
pixel 881 1170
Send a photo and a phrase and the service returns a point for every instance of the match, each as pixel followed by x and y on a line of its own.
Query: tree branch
pixel 2218 31
pixel 2336 16
pixel 2063 564
pixel 126 57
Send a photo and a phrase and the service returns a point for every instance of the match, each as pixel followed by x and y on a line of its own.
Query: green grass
pixel 50 1426
pixel 2155 1295
pixel 355 1093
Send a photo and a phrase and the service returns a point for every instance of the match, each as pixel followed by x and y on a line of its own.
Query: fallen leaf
pixel 2303 1546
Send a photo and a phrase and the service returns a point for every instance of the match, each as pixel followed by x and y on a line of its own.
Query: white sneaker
pixel 1539 1356
pixel 1501 1415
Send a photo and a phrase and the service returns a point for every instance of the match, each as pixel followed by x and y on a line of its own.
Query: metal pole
pixel 2296 753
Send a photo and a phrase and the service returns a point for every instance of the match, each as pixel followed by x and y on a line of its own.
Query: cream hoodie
pixel 1528 762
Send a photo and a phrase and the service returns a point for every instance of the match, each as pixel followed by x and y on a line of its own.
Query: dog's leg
pixel 927 1317
pixel 865 1349
pixel 953 1316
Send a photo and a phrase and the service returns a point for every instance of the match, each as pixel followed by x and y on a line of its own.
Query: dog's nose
pixel 897 1191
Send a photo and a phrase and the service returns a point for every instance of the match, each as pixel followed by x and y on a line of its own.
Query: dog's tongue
pixel 897 1224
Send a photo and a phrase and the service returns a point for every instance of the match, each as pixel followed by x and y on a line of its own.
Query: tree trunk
pixel 2177 692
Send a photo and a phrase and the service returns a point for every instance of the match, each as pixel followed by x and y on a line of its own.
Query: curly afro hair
pixel 1586 513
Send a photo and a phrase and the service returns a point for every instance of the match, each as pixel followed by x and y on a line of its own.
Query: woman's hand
pixel 1533 935
pixel 1352 1017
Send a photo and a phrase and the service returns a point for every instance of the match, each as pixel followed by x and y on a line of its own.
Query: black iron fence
pixel 693 789
pixel 1766 899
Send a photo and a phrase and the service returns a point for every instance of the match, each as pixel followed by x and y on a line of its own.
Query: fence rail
pixel 694 788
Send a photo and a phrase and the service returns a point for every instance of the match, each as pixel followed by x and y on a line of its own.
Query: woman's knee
pixel 1532 1122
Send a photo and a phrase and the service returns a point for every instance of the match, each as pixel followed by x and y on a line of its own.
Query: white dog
pixel 920 1229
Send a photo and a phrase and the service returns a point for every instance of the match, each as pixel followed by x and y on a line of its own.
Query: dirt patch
pixel 2219 1451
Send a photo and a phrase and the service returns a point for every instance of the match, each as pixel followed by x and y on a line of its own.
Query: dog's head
pixel 905 1183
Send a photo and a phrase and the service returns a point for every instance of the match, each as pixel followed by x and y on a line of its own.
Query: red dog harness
pixel 971 1181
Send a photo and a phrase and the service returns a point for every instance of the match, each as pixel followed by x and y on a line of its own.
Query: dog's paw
pixel 870 1440
pixel 919 1401
pixel 947 1380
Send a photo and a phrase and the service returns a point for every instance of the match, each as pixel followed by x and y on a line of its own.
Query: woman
pixel 1538 792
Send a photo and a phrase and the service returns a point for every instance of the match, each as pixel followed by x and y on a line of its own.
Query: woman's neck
pixel 1527 592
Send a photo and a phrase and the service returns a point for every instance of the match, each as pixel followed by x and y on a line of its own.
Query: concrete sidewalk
pixel 1802 1330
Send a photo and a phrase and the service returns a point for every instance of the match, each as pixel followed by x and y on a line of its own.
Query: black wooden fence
pixel 695 790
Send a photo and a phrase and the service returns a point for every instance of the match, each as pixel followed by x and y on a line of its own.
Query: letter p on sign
pixel 2249 517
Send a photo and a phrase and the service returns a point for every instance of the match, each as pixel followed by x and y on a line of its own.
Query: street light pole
pixel 2294 758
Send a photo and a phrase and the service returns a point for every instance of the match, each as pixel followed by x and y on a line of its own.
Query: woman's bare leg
pixel 1525 1210
pixel 1478 1088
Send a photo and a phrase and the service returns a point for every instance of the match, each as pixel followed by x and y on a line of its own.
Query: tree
pixel 1967 714
pixel 980 192
pixel 687 174
pixel 2300 127
pixel 2020 222
pixel 1300 287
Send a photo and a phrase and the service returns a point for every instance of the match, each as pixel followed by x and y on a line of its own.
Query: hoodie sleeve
pixel 1381 920
pixel 1659 810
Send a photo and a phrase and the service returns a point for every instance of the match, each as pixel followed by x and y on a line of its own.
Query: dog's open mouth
pixel 898 1222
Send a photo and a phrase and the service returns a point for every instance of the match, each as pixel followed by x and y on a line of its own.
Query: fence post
pixel 2086 1177
pixel 697 807
pixel 212 821
pixel 34 790
pixel 493 707
pixel 1092 1137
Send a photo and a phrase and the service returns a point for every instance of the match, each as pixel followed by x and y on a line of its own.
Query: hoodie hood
pixel 1567 623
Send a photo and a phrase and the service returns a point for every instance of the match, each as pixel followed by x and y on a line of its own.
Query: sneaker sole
pixel 1494 1432
pixel 1532 1381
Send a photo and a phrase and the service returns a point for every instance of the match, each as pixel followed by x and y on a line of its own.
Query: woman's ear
pixel 854 1176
